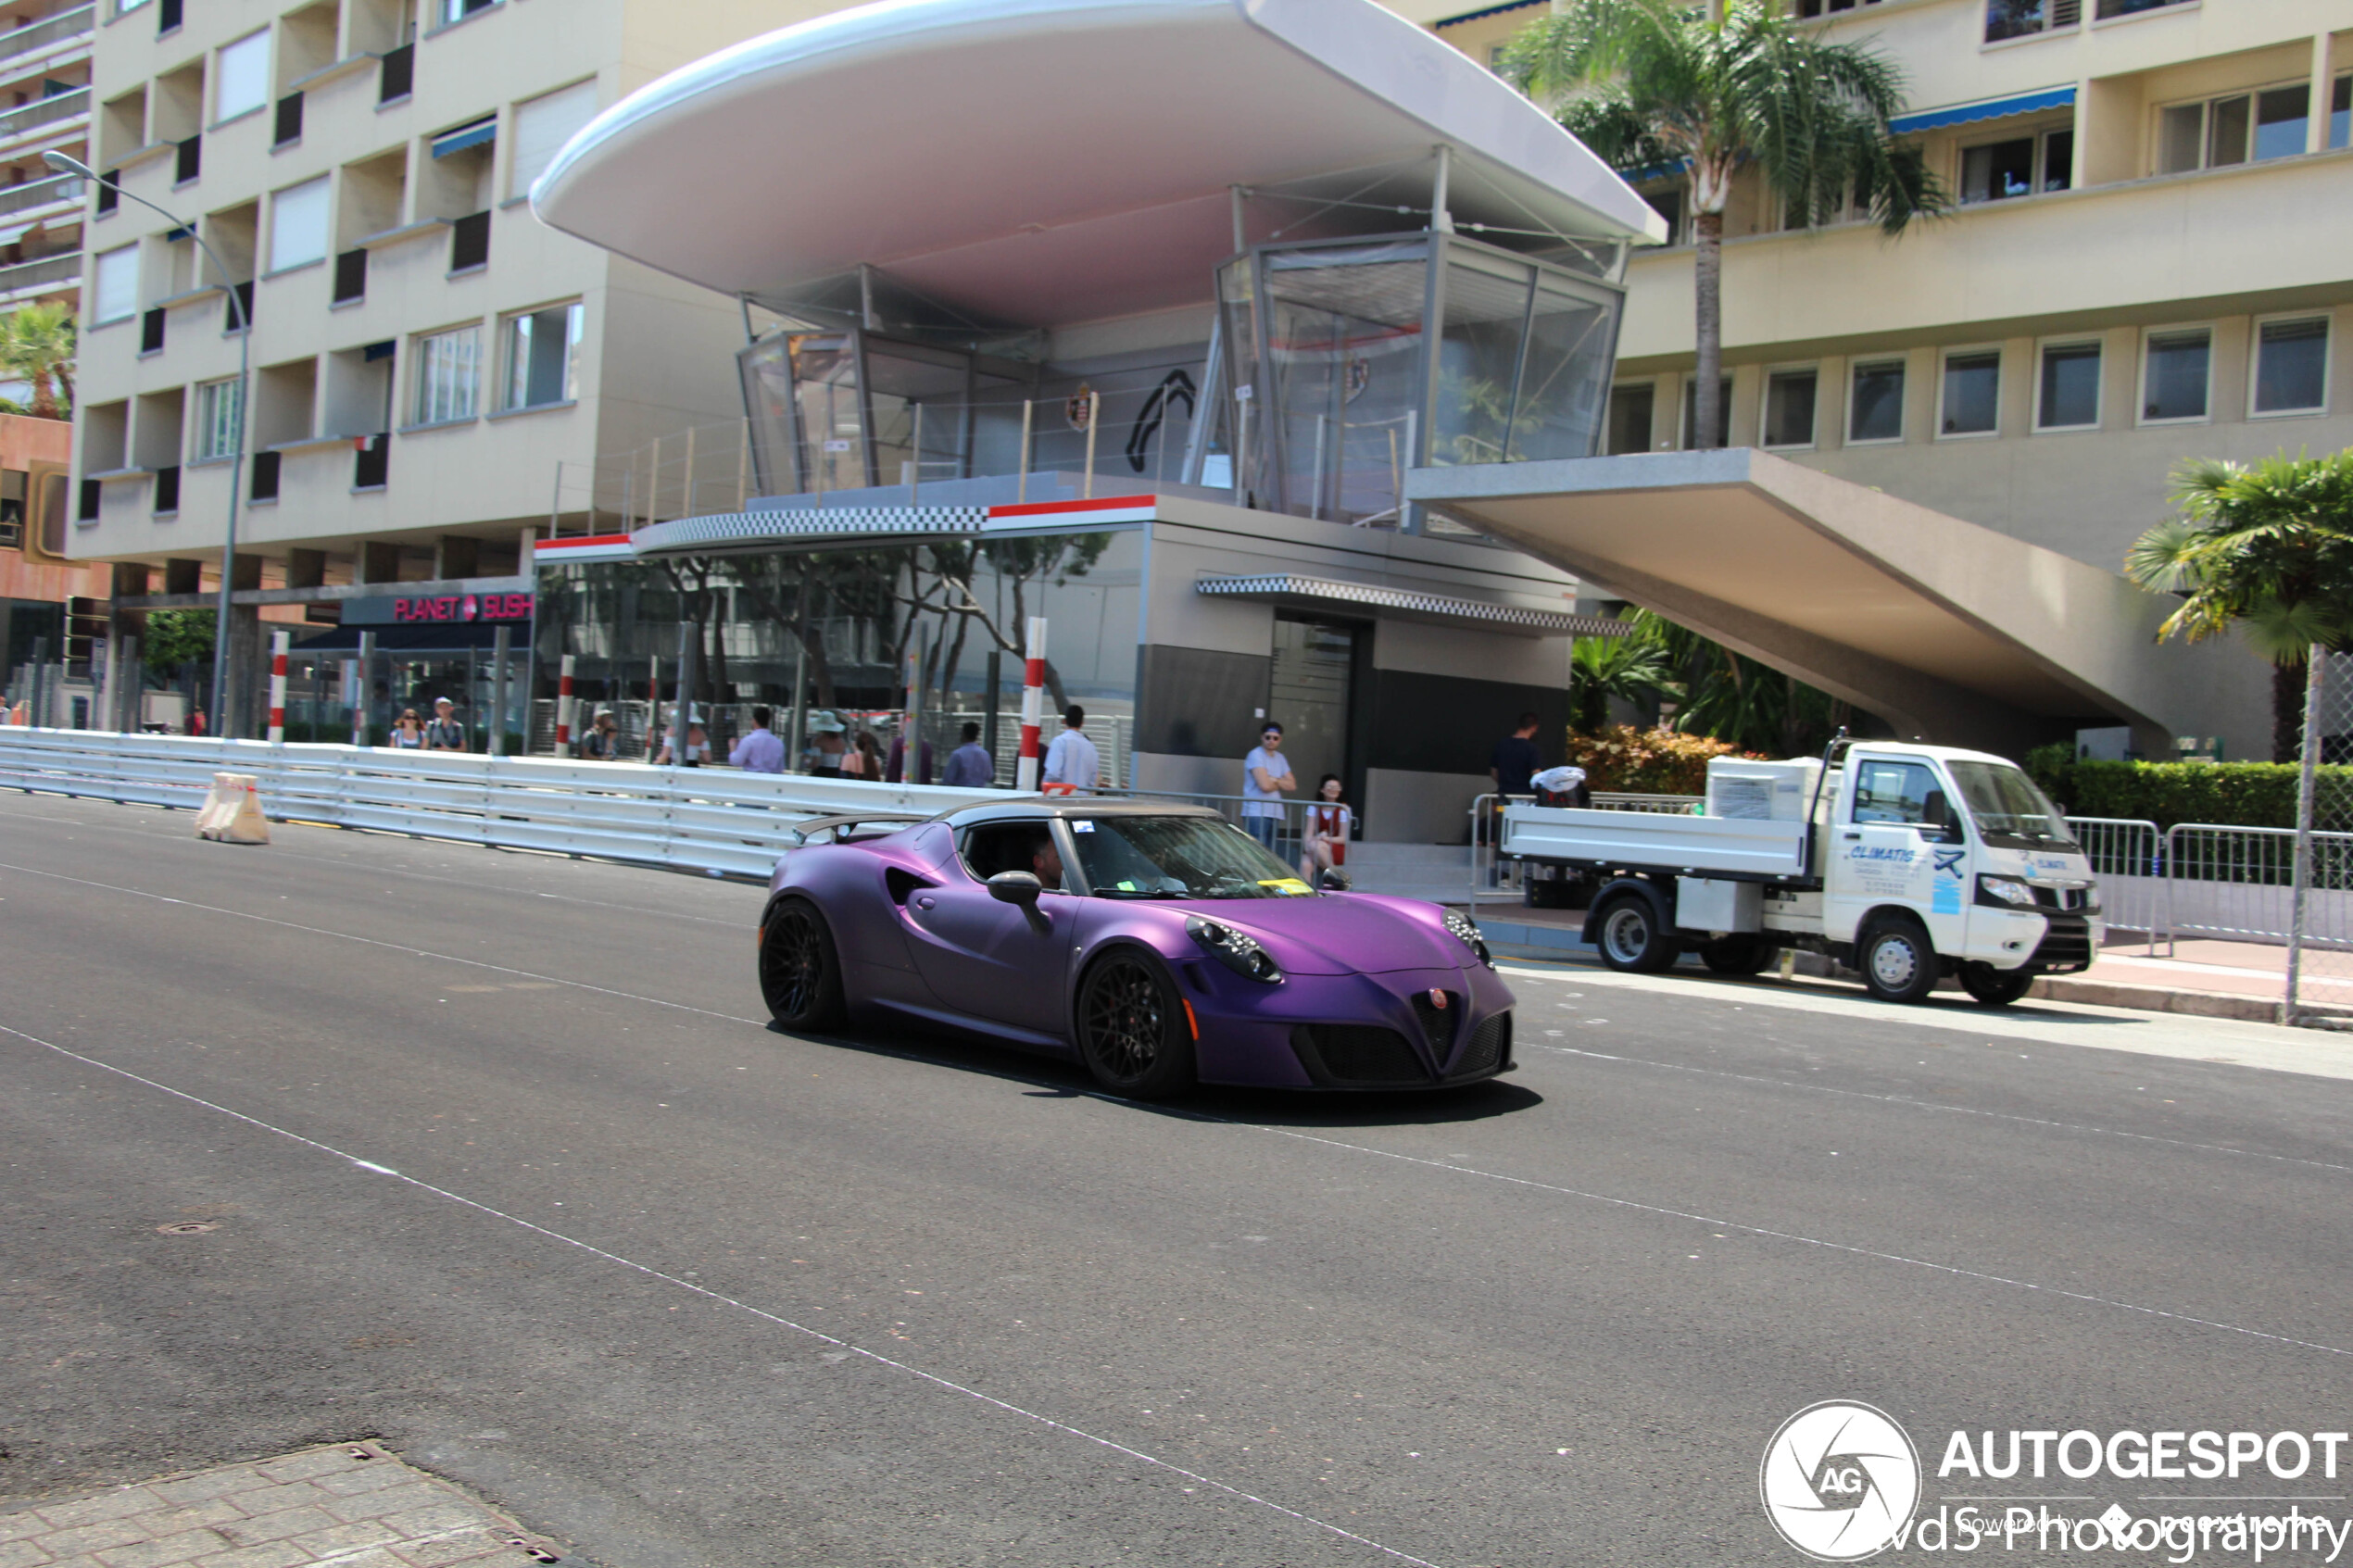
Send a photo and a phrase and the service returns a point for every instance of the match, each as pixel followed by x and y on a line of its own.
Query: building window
pixel 1630 417
pixel 1810 8
pixel 115 285
pixel 2024 19
pixel 1789 407
pixel 1668 204
pixel 2341 112
pixel 540 353
pixel 446 366
pixel 2020 166
pixel 1972 394
pixel 219 412
pixel 458 10
pixel 241 82
pixel 2241 128
pixel 2067 396
pixel 2291 366
pixel 2110 10
pixel 298 225
pixel 2175 374
pixel 1876 412
pixel 543 125
pixel 1691 414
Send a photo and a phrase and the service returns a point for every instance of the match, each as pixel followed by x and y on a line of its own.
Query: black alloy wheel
pixel 1738 953
pixel 1995 987
pixel 799 969
pixel 1632 939
pixel 1897 960
pixel 1132 1030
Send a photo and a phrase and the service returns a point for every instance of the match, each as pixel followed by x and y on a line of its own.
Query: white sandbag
pixel 231 811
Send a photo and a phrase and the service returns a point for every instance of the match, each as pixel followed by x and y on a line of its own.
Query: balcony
pixel 19 49
pixel 48 275
pixel 44 114
pixel 63 192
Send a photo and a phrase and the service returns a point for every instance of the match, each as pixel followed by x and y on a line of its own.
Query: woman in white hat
pixel 698 743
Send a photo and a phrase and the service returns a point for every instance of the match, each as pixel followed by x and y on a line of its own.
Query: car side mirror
pixel 1016 887
pixel 1331 879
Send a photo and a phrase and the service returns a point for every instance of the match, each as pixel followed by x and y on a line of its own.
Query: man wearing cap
pixel 445 733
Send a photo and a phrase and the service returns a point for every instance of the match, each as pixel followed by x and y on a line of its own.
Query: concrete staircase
pixel 1439 873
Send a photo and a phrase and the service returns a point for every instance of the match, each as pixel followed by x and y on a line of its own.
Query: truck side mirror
pixel 1937 818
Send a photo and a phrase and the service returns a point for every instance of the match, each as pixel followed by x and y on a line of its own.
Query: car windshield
pixel 2005 802
pixel 1177 857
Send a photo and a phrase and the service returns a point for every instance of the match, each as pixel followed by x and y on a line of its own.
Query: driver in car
pixel 1047 862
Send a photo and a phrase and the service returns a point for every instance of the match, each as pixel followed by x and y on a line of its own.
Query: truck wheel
pixel 1632 939
pixel 1897 960
pixel 1742 953
pixel 1995 987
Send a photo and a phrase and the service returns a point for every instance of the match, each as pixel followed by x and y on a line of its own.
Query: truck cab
pixel 1904 862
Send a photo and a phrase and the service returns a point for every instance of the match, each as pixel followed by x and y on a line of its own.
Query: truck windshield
pixel 1178 857
pixel 2007 805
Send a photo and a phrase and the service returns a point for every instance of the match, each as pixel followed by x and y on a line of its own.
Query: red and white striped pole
pixel 564 708
pixel 278 643
pixel 1033 706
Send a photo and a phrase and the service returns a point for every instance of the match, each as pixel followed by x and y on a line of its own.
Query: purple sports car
pixel 1159 945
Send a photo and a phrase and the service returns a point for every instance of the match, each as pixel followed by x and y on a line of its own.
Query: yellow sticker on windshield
pixel 1288 884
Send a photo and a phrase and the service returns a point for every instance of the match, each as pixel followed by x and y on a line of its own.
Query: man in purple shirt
pixel 761 751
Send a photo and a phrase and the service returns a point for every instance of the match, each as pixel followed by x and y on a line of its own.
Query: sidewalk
pixel 2202 978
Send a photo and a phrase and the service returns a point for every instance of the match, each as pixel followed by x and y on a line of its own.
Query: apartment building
pixel 2151 260
pixel 423 354
pixel 44 106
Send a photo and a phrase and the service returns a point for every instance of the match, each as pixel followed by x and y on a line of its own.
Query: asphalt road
pixel 501 1164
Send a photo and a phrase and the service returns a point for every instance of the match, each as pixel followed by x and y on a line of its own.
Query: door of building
pixel 1309 695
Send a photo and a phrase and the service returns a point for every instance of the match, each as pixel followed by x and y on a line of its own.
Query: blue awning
pixel 465 136
pixel 1989 108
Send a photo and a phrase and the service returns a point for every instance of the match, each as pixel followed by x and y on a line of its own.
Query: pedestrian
pixel 1071 766
pixel 195 720
pixel 863 759
pixel 1265 775
pixel 761 751
pixel 970 766
pixel 602 742
pixel 1516 760
pixel 895 769
pixel 445 733
pixel 698 743
pixel 829 732
pixel 1322 845
pixel 409 730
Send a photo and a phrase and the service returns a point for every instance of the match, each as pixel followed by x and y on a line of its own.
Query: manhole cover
pixel 188 1228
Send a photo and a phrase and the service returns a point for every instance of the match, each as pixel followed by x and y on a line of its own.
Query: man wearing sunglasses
pixel 1265 775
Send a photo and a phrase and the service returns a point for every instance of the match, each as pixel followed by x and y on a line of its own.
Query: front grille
pixel 1490 1046
pixel 1356 1053
pixel 1437 1023
pixel 2066 947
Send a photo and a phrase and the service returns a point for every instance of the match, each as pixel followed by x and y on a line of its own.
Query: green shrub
pixel 2256 795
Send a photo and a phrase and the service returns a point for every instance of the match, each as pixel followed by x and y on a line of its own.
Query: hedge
pixel 1639 762
pixel 2256 795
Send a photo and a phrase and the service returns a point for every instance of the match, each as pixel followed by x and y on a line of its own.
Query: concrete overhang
pixel 1048 162
pixel 1948 630
pixel 1292 590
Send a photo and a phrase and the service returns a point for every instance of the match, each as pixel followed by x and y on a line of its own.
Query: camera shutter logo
pixel 1840 1481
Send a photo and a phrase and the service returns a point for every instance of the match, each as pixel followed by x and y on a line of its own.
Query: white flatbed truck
pixel 1907 863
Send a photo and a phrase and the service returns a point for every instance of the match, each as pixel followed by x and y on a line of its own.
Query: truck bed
pixel 1710 847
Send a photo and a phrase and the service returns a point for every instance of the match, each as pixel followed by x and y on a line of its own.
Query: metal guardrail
pixel 41 193
pixel 709 820
pixel 45 111
pixel 35 275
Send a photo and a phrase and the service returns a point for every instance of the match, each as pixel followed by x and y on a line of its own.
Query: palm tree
pixel 1632 668
pixel 2266 548
pixel 37 343
pixel 1649 85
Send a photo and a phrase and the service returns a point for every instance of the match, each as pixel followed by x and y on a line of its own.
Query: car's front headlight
pixel 1237 950
pixel 2007 889
pixel 1460 924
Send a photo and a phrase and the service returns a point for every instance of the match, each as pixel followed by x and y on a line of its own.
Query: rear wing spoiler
pixel 846 826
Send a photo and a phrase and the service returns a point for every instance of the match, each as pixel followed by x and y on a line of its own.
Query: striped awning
pixel 1297 592
pixel 465 136
pixel 1985 108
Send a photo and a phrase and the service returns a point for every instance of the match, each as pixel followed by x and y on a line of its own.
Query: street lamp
pixel 65 165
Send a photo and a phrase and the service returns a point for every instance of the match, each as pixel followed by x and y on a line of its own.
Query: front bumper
pixel 1350 1031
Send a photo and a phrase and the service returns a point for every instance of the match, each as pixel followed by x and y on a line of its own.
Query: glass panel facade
pixel 1486 316
pixel 1564 384
pixel 1333 415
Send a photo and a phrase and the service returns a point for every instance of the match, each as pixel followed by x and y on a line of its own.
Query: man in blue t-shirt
pixel 1265 775
pixel 1517 759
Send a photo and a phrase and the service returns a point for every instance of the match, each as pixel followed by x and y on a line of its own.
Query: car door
pixel 988 959
pixel 1891 846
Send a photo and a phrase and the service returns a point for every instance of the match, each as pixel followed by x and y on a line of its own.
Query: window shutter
pixel 2065 13
pixel 298 225
pixel 544 125
pixel 118 285
pixel 243 81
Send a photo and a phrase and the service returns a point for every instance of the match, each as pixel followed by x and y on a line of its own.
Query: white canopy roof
pixel 1044 162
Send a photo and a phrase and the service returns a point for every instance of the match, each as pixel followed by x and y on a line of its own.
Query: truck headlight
pixel 2007 889
pixel 1235 949
pixel 1460 924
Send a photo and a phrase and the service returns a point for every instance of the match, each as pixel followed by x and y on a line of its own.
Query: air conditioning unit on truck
pixel 1907 863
